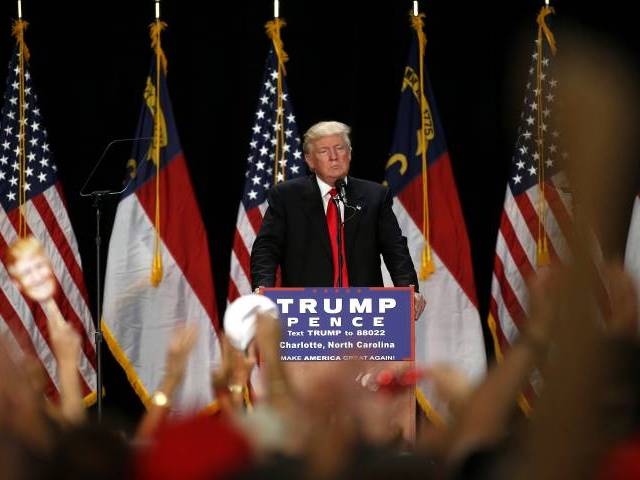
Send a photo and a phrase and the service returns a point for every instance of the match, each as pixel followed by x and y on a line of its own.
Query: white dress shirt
pixel 325 188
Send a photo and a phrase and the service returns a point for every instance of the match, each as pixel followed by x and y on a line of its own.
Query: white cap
pixel 240 318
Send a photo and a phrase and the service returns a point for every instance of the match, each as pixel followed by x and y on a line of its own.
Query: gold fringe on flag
pixel 18 29
pixel 272 28
pixel 542 247
pixel 427 266
pixel 155 29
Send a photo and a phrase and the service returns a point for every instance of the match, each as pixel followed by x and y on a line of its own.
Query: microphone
pixel 341 187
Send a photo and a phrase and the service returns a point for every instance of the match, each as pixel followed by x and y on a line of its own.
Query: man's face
pixel 329 158
pixel 34 277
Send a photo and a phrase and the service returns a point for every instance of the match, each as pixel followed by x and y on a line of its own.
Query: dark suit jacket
pixel 294 236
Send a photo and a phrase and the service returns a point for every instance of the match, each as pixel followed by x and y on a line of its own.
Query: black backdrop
pixel 347 58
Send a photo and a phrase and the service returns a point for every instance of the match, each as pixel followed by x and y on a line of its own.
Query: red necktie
pixel 332 223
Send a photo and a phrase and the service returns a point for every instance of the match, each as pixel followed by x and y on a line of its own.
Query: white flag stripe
pixel 511 271
pixel 240 279
pixel 509 329
pixel 57 206
pixel 245 229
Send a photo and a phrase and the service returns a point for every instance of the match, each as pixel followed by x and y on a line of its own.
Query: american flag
pixel 23 320
pixel 536 215
pixel 273 120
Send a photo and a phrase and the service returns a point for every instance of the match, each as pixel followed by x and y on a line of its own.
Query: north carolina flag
pixel 450 330
pixel 138 317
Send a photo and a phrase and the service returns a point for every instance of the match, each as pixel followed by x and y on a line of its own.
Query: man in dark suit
pixel 297 236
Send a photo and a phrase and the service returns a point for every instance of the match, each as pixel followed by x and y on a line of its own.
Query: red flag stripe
pixel 255 218
pixel 511 302
pixel 518 253
pixel 243 256
pixel 245 229
pixel 233 291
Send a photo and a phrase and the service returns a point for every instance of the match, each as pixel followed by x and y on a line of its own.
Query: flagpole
pixel 427 265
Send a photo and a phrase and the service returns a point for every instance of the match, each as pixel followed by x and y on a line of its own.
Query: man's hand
pixel 418 304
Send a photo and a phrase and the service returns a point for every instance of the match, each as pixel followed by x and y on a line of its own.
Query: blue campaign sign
pixel 321 324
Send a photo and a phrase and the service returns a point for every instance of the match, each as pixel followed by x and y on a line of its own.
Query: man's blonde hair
pixel 324 129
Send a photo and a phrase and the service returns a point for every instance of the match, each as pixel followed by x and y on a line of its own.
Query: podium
pixel 359 334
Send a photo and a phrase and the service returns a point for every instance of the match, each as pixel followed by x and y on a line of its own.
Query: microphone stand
pixel 339 241
pixel 97 196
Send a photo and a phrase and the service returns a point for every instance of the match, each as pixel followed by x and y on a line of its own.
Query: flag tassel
pixel 156 270
pixel 427 266
pixel 542 253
